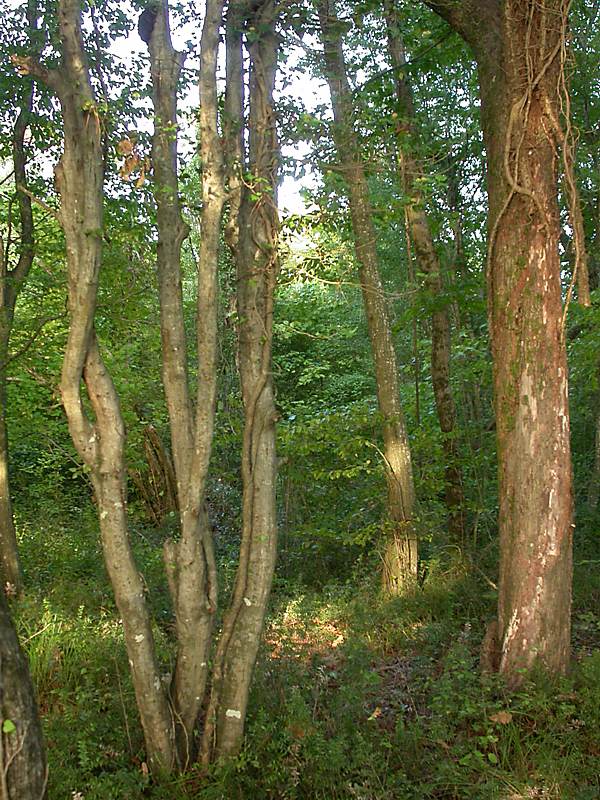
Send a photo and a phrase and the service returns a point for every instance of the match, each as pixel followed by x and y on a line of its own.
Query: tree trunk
pixel 99 439
pixel 23 773
pixel 421 235
pixel 520 48
pixel 594 482
pixel 11 281
pixel 10 568
pixel 400 555
pixel 190 561
pixel 254 239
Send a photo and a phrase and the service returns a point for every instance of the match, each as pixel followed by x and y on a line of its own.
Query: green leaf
pixel 492 758
pixel 8 726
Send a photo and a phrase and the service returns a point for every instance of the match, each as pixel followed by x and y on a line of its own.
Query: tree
pixel 419 230
pixel 99 439
pixel 169 716
pixel 11 282
pixel 252 236
pixel 520 50
pixel 22 758
pixel 400 556
pixel 190 561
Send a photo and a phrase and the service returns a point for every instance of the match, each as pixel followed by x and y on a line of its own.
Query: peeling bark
pixel 519 48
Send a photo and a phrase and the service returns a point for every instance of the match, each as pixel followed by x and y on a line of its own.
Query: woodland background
pixel 357 692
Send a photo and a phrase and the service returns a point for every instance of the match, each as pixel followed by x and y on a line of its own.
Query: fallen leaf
pixel 502 717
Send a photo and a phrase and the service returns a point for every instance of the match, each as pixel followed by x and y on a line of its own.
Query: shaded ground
pixel 354 697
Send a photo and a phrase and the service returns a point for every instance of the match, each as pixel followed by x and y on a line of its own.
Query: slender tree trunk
pixel 23 773
pixel 520 48
pixel 421 235
pixel 11 281
pixel 10 568
pixel 594 483
pixel 254 238
pixel 400 556
pixel 99 439
pixel 190 561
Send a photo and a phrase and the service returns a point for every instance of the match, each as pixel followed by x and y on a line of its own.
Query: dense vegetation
pixel 376 677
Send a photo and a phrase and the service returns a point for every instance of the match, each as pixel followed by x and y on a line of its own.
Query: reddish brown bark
pixel 519 48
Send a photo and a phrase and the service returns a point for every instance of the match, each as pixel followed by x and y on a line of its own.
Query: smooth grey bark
pixel 253 237
pixel 99 437
pixel 252 233
pixel 400 553
pixel 190 561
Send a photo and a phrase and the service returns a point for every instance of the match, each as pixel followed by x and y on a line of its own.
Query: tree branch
pixel 28 65
pixel 471 19
pixel 22 350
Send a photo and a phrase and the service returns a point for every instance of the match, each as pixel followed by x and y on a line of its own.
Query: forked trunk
pixel 254 241
pixel 99 439
pixel 190 561
pixel 400 546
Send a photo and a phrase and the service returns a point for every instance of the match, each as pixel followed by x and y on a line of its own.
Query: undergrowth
pixel 354 697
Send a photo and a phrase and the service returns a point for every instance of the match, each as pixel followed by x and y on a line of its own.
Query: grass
pixel 354 697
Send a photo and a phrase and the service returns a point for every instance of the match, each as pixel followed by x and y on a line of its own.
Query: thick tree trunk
pixel 23 773
pixel 400 555
pixel 520 52
pixel 255 250
pixel 419 230
pixel 99 440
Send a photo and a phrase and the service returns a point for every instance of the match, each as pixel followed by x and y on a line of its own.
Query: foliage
pixel 355 697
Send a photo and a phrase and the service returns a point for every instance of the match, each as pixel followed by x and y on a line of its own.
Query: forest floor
pixel 354 697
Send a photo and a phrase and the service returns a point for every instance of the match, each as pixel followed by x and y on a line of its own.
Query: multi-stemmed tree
pixel 170 713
